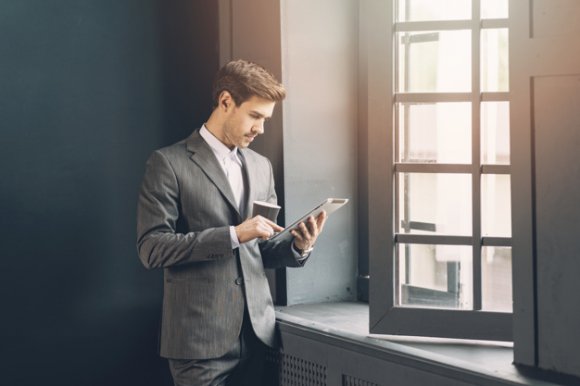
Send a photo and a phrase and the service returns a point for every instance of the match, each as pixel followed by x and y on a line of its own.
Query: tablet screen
pixel 329 205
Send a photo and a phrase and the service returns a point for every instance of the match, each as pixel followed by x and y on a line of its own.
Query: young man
pixel 193 221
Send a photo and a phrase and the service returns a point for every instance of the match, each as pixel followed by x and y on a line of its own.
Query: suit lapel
pixel 204 157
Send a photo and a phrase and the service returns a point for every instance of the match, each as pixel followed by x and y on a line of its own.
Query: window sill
pixel 345 325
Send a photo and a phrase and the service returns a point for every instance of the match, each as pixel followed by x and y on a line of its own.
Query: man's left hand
pixel 306 233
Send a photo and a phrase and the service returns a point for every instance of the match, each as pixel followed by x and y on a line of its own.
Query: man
pixel 193 221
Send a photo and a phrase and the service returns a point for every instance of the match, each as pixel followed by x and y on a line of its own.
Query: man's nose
pixel 259 127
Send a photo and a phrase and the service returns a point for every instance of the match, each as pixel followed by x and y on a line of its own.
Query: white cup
pixel 266 209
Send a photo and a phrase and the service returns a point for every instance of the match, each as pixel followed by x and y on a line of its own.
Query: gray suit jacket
pixel 184 212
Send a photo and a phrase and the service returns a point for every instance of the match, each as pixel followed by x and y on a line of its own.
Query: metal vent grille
pixel 348 380
pixel 295 371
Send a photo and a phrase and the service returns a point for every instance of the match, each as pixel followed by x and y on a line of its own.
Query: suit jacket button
pixel 239 281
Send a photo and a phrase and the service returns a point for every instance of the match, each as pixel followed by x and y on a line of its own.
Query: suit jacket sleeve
pixel 158 243
pixel 280 254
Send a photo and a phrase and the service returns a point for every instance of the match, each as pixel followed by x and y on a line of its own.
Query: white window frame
pixel 378 34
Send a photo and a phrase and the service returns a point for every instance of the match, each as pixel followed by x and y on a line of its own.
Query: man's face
pixel 246 122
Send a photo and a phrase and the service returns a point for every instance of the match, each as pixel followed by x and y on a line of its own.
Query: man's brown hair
pixel 243 80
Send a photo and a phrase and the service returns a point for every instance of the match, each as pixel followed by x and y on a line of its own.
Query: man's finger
pixel 312 226
pixel 297 235
pixel 305 232
pixel 321 220
pixel 273 225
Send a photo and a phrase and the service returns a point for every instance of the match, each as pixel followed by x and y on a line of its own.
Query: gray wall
pixel 312 137
pixel 557 184
pixel 545 138
pixel 319 54
pixel 87 90
pixel 556 169
pixel 250 29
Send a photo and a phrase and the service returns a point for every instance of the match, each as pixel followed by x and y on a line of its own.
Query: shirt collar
pixel 220 150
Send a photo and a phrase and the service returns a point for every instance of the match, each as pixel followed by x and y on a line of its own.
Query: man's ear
pixel 225 100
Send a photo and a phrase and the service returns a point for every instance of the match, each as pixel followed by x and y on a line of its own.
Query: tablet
pixel 329 205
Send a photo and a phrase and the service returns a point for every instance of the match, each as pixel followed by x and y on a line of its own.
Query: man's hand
pixel 256 227
pixel 306 233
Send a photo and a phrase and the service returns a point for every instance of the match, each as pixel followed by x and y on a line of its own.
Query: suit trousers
pixel 242 365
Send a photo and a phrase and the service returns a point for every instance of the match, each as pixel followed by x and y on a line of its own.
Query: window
pixel 439 168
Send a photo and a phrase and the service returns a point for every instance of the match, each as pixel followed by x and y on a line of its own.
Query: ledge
pixel 345 324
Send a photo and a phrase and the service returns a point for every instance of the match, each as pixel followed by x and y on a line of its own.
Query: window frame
pixel 377 104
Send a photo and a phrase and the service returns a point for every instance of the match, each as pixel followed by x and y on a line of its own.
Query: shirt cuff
pixel 234 238
pixel 297 255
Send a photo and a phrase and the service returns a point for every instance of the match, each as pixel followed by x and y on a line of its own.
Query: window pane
pixel 433 203
pixel 494 60
pixel 497 278
pixel 496 205
pixel 494 9
pixel 434 61
pixel 495 133
pixel 434 276
pixel 415 10
pixel 434 132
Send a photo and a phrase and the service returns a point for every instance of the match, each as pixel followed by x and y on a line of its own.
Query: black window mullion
pixel 476 153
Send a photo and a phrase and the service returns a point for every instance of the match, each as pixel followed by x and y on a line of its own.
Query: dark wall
pixel 88 88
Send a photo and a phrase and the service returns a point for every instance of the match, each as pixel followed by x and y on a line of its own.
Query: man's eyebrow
pixel 259 114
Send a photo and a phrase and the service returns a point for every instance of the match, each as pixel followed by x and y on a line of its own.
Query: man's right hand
pixel 256 227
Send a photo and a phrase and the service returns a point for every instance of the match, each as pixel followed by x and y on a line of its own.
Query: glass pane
pixel 433 203
pixel 494 60
pixel 434 132
pixel 415 10
pixel 434 276
pixel 494 9
pixel 495 133
pixel 434 61
pixel 496 278
pixel 496 219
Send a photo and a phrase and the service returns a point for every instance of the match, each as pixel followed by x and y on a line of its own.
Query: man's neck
pixel 214 126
